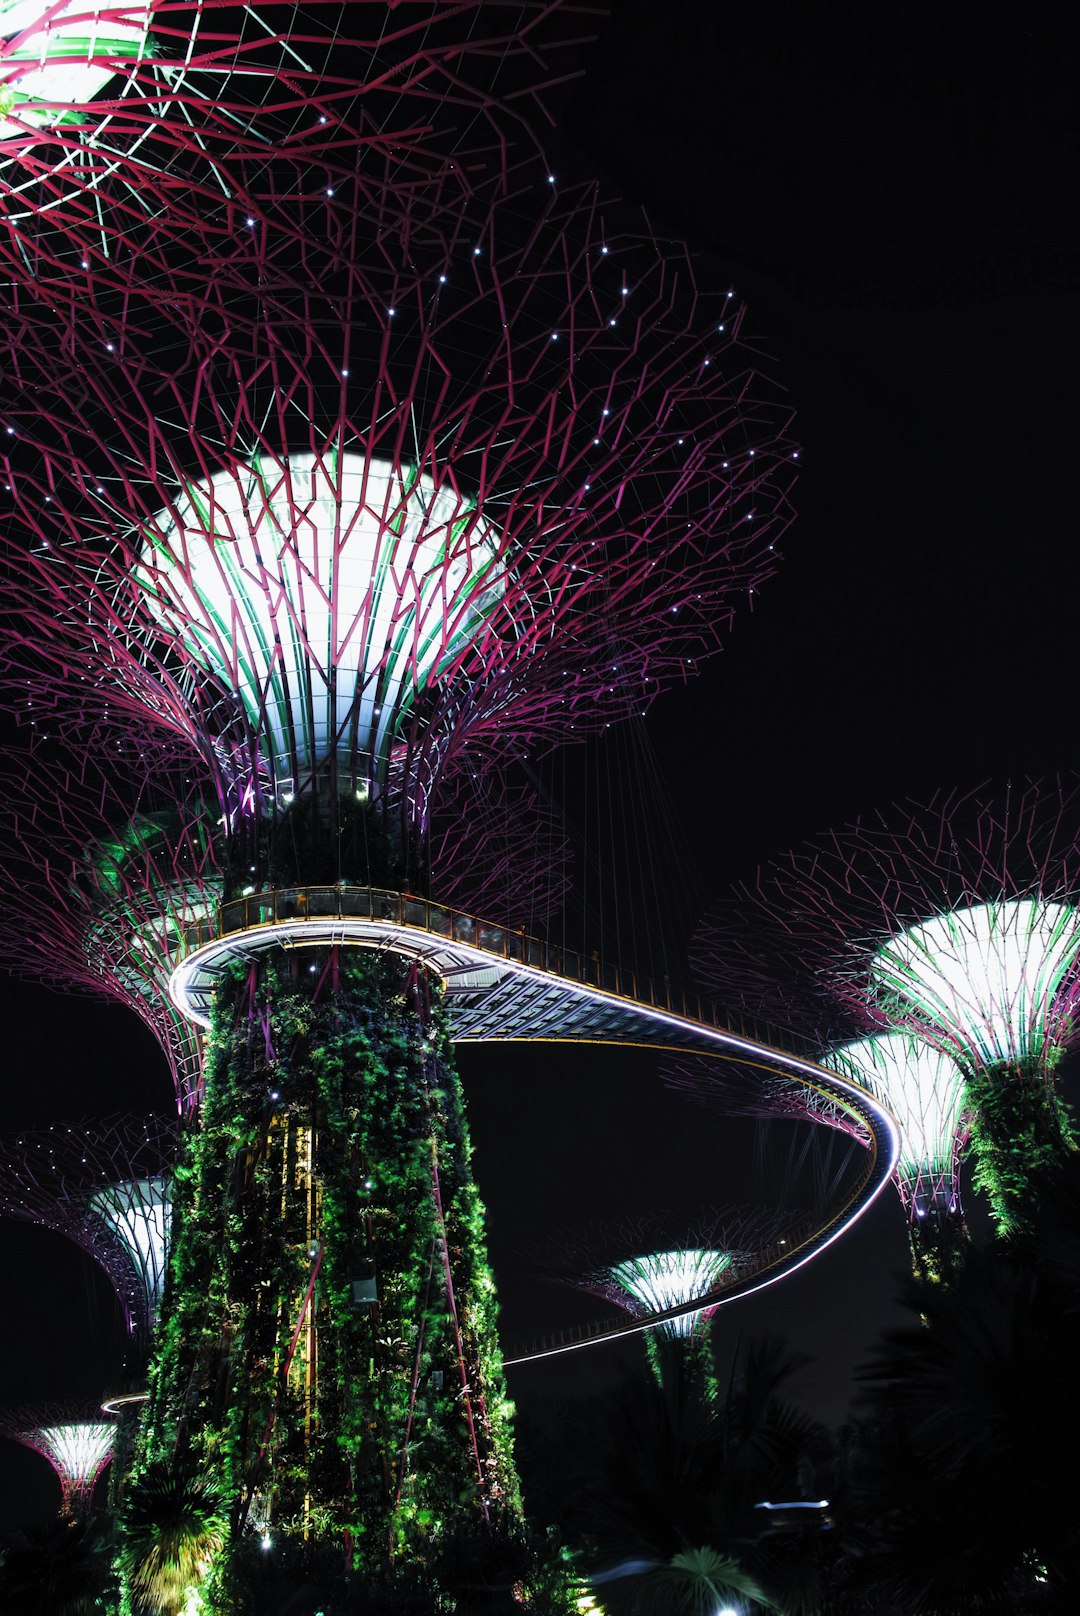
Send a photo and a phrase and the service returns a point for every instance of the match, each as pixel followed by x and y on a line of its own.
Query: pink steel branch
pixel 51 1177
pixel 599 407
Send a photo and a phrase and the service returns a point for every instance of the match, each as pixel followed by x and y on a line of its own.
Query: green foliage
pixel 1021 1135
pixel 663 1475
pixel 694 1583
pixel 174 1525
pixel 332 1154
pixel 60 1569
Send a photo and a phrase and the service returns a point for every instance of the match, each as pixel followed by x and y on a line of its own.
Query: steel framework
pixel 112 115
pixel 104 1185
pixel 76 1444
pixel 402 491
pixel 954 922
pixel 644 1268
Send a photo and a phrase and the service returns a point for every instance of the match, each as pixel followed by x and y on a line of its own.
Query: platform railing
pixel 289 904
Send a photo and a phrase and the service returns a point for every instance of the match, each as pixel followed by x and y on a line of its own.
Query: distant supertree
pixel 106 1186
pixel 643 1267
pixel 485 487
pixel 77 1444
pixel 956 922
pixel 924 1089
pixel 120 869
pixel 746 954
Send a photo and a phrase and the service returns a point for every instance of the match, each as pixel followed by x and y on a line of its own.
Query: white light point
pixel 60 58
pixel 391 577
pixel 666 1279
pixel 985 979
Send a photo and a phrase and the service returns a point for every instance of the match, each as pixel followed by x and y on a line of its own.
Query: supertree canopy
pixel 486 482
pixel 924 1089
pixel 77 1445
pixel 110 112
pixel 662 1279
pixel 747 952
pixel 121 870
pixel 106 1186
pixel 956 923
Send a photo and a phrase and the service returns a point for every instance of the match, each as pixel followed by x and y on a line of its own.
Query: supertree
pixel 107 836
pixel 647 1266
pixel 924 1089
pixel 469 499
pixel 78 1445
pixel 746 953
pixel 955 922
pixel 106 1186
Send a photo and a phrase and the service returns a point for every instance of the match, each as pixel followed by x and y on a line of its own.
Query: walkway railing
pixel 289 904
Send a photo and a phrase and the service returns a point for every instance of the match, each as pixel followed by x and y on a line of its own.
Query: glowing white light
pixel 140 1213
pixel 60 58
pixel 327 592
pixel 924 1089
pixel 77 1452
pixel 668 1279
pixel 984 979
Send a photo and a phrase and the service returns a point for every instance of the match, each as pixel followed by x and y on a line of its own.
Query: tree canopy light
pixel 77 1447
pixel 106 1186
pixel 924 1089
pixel 60 57
pixel 329 593
pixel 664 1279
pixel 985 979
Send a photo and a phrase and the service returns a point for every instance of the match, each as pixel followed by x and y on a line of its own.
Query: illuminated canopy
pixel 924 1089
pixel 328 593
pixel 666 1279
pixel 984 979
pixel 140 1212
pixel 59 57
pixel 77 1448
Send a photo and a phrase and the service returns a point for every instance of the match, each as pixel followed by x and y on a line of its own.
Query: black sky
pixel 891 190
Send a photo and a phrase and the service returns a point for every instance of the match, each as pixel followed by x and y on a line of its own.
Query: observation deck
pixel 504 985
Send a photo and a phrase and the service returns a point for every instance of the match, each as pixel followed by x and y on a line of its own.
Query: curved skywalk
pixel 503 985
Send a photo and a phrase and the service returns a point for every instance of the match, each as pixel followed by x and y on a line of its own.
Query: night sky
pixel 890 190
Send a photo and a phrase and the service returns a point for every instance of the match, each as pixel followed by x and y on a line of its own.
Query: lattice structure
pixel 644 1267
pixel 112 115
pixel 924 1089
pixel 956 922
pixel 612 458
pixel 112 857
pixel 76 1444
pixel 104 1185
pixel 374 509
pixel 496 851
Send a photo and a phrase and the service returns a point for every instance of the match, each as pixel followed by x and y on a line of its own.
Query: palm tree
pixel 173 1526
pixel 60 1569
pixel 668 1474
pixel 966 1491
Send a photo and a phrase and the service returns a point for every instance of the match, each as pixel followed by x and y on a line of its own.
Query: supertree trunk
pixel 328 1342
pixel 1021 1134
pixel 937 1239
